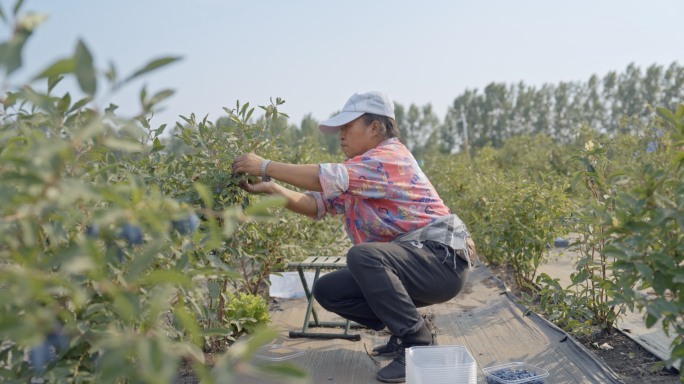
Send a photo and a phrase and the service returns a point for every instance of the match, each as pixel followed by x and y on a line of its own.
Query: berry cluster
pixel 507 375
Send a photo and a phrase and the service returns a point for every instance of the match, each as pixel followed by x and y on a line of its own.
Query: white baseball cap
pixel 377 103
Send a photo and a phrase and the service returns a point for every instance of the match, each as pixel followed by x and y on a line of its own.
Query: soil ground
pixel 628 359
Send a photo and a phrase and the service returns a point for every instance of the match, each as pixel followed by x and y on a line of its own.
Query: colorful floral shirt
pixel 382 194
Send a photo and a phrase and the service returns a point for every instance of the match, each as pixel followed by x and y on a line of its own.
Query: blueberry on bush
pixel 42 355
pixel 59 341
pixel 186 226
pixel 93 230
pixel 132 234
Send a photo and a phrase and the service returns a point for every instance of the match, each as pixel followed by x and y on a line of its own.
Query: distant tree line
pixel 504 110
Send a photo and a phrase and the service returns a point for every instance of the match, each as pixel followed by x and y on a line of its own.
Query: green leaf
pixel 680 221
pixel 587 313
pixel 261 206
pixel 244 109
pixel 167 276
pixel 679 113
pixel 57 68
pixel 106 169
pixel 124 144
pixel 17 6
pixel 64 103
pixel 650 320
pixel 10 100
pixel 160 130
pixel 637 226
pixel 85 72
pixel 159 97
pixel 205 195
pixel 218 263
pixel 576 179
pixel 612 315
pixel 111 74
pixel 52 81
pixel 80 103
pixel 10 52
pixel 217 332
pixel 152 66
pixel 590 167
pixel 666 114
pixel 214 288
pixel 111 108
pixel 659 283
pixel 581 277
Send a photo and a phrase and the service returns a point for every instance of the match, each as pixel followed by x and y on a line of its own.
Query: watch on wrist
pixel 263 171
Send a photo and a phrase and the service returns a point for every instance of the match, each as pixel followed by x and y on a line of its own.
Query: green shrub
pixel 631 238
pixel 512 217
pixel 107 240
pixel 248 312
pixel 533 214
pixel 648 245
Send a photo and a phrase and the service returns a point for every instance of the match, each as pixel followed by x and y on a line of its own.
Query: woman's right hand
pixel 258 186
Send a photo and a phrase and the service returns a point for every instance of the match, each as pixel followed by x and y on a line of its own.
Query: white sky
pixel 315 54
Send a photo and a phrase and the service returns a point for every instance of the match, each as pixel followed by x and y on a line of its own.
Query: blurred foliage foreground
pixel 120 260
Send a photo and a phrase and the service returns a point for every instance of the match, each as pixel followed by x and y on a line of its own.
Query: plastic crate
pixel 440 364
pixel 276 353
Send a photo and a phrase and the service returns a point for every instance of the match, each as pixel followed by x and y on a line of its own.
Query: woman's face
pixel 357 138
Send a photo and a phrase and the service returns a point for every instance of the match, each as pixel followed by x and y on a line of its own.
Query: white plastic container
pixel 289 286
pixel 440 364
pixel 539 379
pixel 276 353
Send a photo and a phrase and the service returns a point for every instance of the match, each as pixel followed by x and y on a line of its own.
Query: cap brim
pixel 334 124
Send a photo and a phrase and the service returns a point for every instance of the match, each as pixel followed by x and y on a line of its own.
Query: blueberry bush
pixel 514 215
pixel 619 195
pixel 117 255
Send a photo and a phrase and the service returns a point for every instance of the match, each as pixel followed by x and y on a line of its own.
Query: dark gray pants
pixel 385 283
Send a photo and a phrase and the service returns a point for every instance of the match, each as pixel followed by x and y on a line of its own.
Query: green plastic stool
pixel 317 263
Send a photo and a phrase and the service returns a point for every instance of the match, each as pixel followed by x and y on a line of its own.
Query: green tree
pixel 417 126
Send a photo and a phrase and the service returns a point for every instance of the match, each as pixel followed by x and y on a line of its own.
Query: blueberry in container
pixel 515 373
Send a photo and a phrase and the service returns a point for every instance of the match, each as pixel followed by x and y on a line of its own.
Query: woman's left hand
pixel 248 163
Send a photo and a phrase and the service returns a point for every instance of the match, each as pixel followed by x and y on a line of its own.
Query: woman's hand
pixel 248 163
pixel 257 186
pixel 304 176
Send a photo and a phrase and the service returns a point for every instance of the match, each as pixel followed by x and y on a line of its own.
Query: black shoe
pixel 395 371
pixel 389 349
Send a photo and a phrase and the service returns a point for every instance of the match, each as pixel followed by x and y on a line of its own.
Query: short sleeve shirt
pixel 382 194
